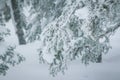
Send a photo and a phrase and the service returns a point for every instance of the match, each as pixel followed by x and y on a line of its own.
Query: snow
pixel 82 13
pixel 101 40
pixel 109 69
pixel 2 4
pixel 47 56
pixel 3 30
pixel 26 11
pixel 9 39
pixel 2 47
pixel 12 39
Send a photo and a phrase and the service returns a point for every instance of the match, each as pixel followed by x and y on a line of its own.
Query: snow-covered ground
pixel 30 69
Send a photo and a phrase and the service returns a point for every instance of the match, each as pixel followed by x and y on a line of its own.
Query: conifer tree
pixel 67 29
pixel 74 28
pixel 8 56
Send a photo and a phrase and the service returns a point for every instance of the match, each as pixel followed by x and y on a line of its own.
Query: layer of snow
pixel 82 13
pixel 2 47
pixel 3 30
pixel 2 4
pixel 9 39
pixel 12 39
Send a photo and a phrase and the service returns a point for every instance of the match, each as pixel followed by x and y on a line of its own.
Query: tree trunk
pixel 99 59
pixel 18 21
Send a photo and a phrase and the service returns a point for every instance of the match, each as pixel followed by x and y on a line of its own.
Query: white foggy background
pixel 30 69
